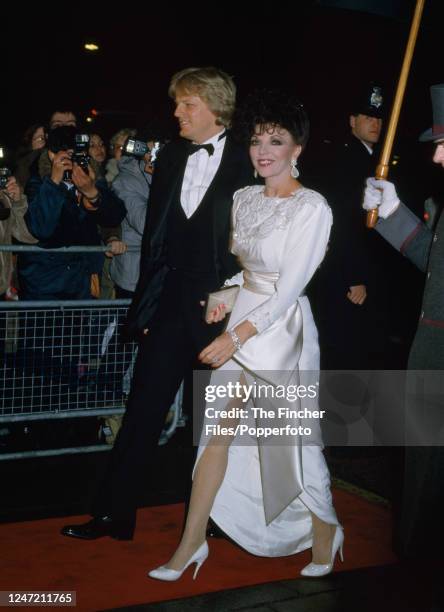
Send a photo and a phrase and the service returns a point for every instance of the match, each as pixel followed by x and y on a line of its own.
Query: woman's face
pixel 118 146
pixel 97 148
pixel 272 151
pixel 38 140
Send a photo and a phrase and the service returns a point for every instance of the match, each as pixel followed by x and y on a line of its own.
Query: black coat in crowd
pixel 352 336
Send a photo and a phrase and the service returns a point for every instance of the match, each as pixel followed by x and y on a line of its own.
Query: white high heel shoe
pixel 316 570
pixel 164 573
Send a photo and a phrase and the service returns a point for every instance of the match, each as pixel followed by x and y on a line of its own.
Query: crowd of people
pixel 217 210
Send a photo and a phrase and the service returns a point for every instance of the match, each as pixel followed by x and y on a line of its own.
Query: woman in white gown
pixel 272 498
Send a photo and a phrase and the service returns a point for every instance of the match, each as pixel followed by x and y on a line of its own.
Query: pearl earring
pixel 294 172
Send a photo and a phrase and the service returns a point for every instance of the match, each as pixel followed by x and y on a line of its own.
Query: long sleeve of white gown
pixel 304 250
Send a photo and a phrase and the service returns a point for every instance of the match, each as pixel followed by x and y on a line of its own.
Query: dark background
pixel 316 48
pixel 319 51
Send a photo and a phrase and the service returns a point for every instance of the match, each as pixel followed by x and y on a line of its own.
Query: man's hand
pixel 382 195
pixel 13 189
pixel 61 161
pixel 85 181
pixel 116 247
pixel 357 294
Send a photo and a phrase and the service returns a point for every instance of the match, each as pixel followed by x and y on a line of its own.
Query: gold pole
pixel 383 166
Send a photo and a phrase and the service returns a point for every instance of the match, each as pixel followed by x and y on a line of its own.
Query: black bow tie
pixel 192 148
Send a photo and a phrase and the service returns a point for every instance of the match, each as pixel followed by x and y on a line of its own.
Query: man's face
pixel 438 156
pixel 59 119
pixel 196 121
pixel 367 129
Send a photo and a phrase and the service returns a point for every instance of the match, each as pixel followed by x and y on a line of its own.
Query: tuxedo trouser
pixel 164 357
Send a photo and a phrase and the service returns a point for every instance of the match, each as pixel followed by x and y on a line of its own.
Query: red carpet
pixel 110 574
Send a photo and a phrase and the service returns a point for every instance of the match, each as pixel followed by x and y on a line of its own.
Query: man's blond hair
pixel 214 86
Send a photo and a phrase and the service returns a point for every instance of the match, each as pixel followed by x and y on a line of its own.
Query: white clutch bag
pixel 226 295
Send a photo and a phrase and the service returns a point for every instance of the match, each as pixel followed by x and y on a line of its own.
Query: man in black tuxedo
pixel 185 254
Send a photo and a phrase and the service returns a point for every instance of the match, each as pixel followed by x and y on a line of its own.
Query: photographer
pixel 66 204
pixel 132 185
pixel 13 206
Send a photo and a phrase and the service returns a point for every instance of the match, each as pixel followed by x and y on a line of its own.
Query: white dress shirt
pixel 199 173
pixel 369 149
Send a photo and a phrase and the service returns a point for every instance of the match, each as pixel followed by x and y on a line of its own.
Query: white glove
pixel 381 194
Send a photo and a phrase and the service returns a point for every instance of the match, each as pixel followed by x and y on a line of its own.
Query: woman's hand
pixel 219 351
pixel 222 348
pixel 215 315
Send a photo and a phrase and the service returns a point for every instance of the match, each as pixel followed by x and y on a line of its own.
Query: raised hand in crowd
pixel 13 189
pixel 60 161
pixel 85 182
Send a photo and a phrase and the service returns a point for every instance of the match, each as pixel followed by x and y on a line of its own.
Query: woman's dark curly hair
pixel 269 109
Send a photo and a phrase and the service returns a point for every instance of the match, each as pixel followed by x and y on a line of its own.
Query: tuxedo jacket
pixel 234 172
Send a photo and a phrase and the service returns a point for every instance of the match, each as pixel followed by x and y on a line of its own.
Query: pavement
pixel 393 588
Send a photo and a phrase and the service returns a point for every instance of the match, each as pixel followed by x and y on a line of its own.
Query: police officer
pixel 352 307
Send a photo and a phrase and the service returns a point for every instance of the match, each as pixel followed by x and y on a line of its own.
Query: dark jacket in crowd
pixel 56 218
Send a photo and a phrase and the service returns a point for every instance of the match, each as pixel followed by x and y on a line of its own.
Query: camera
pixel 5 173
pixel 65 138
pixel 80 155
pixel 138 148
pixel 5 211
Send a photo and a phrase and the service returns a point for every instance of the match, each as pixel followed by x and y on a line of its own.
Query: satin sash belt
pixel 263 282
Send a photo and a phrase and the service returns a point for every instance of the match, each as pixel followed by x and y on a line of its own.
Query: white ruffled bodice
pixel 282 239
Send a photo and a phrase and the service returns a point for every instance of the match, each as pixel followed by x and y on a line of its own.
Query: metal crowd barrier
pixel 65 359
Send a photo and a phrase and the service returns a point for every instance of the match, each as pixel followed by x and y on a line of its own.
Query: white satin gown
pixel 268 490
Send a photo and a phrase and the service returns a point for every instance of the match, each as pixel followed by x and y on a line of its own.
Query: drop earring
pixel 255 173
pixel 294 172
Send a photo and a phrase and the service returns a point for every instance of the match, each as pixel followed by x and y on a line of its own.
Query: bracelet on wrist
pixel 235 338
pixel 94 199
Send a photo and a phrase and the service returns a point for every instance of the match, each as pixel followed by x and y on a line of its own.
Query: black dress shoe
pixel 99 527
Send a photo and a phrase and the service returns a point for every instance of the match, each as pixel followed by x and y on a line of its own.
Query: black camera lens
pixel 62 138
